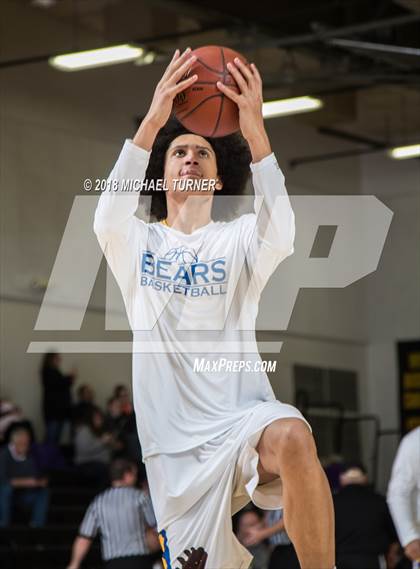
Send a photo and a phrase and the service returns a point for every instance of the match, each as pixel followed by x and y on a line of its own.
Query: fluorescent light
pixel 402 152
pixel 291 106
pixel 96 57
pixel 146 59
pixel 43 3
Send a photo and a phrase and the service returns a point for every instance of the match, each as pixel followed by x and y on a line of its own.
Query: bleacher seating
pixel 22 547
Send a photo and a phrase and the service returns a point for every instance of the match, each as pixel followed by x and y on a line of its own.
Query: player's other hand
pixel 412 550
pixel 249 99
pixel 169 86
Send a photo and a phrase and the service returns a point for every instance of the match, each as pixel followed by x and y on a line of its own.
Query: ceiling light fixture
pixel 283 107
pixel 403 152
pixel 97 57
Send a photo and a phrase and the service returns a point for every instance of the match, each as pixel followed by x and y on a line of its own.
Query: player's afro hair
pixel 232 156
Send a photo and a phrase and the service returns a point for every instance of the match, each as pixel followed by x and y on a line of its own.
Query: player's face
pixel 190 156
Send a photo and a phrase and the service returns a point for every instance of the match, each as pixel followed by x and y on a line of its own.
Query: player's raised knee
pixel 293 437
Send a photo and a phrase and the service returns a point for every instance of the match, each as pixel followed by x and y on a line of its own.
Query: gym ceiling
pixel 361 56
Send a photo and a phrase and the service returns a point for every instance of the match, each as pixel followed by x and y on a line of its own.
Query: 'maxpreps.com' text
pixel 223 364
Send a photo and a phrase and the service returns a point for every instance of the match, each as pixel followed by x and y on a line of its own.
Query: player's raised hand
pixel 169 86
pixel 249 99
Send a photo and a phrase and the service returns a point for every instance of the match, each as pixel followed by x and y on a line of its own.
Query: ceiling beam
pixel 344 31
pixel 146 41
pixel 373 146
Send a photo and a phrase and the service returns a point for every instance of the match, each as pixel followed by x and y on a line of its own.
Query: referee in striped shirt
pixel 124 518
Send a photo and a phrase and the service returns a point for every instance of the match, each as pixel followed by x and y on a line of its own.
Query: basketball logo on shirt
pixel 181 255
pixel 180 271
pixel 195 558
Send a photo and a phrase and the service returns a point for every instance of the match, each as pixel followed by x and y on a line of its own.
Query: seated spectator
pixel 333 468
pixel 124 518
pixel 251 521
pixel 47 456
pixel 21 483
pixel 283 553
pixel 116 423
pixel 85 402
pixel 132 447
pixel 24 423
pixel 93 447
pixel 363 525
pixel 115 420
pixel 122 393
pixel 56 396
pixel 9 414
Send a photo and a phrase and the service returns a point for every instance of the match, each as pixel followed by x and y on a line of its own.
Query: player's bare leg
pixel 287 449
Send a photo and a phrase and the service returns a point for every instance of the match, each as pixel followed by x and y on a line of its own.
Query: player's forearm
pixel 119 201
pixel 275 217
pixel 146 134
pixel 80 549
pixel 259 145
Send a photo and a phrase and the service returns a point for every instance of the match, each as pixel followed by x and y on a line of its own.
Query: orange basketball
pixel 202 108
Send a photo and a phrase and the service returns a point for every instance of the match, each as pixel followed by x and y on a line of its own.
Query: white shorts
pixel 195 493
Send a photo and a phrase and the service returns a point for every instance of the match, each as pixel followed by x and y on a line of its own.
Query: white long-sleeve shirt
pixel 404 488
pixel 193 296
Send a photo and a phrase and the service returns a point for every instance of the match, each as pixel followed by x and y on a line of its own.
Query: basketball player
pixel 212 439
pixel 404 494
